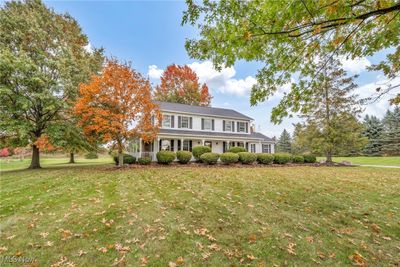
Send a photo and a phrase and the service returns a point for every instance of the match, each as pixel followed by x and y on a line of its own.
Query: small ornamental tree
pixel 116 105
pixel 180 84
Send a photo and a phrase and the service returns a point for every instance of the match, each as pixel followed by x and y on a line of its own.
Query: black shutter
pixel 179 121
pixel 224 147
pixel 233 126
pixel 247 127
pixel 179 145
pixel 237 128
pixel 223 125
pixel 191 123
pixel 172 145
pixel 212 124
pixel 190 145
pixel 159 146
pixel 172 121
pixel 202 123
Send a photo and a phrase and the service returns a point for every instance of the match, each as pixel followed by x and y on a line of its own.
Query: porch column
pixel 260 147
pixel 181 144
pixel 202 142
pixel 156 148
pixel 227 145
pixel 140 147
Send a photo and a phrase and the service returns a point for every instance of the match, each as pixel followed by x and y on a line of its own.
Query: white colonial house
pixel 186 126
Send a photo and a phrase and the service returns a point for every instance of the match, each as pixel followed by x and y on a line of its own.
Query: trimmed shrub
pixel 229 157
pixel 298 159
pixel 247 157
pixel 165 157
pixel 309 158
pixel 184 156
pixel 282 158
pixel 209 158
pixel 144 160
pixel 265 158
pixel 128 159
pixel 91 155
pixel 237 149
pixel 200 150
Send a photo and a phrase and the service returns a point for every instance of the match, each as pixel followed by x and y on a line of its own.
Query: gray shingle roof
pixel 209 111
pixel 180 132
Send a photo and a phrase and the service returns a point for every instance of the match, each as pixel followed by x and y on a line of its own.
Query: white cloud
pixel 219 81
pixel 355 66
pixel 154 72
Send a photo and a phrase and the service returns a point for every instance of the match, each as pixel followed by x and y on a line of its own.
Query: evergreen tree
pixel 391 135
pixel 284 142
pixel 373 130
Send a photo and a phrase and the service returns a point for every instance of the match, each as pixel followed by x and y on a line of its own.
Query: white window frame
pixel 228 123
pixel 188 122
pixel 268 148
pixel 186 145
pixel 253 148
pixel 241 124
pixel 167 119
pixel 209 122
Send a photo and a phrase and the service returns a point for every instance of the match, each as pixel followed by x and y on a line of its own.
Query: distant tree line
pixel 371 137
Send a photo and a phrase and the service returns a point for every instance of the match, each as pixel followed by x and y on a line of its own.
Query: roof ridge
pixel 193 105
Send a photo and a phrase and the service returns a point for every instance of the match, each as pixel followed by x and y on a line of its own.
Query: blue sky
pixel 149 34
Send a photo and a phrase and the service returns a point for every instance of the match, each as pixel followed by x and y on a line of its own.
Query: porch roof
pixel 203 135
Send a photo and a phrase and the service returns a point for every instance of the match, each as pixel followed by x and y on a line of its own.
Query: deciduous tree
pixel 180 84
pixel 42 61
pixel 116 105
pixel 289 36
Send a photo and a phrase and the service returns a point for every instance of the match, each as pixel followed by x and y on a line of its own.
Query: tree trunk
pixel 71 157
pixel 329 158
pixel 35 163
pixel 120 157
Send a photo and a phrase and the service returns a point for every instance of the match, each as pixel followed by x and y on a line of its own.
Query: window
pixel 241 127
pixel 167 121
pixel 253 148
pixel 186 145
pixel 207 124
pixel 185 122
pixel 266 148
pixel 229 126
pixel 165 145
pixel 241 144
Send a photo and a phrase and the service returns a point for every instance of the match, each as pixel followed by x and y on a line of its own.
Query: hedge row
pixel 204 154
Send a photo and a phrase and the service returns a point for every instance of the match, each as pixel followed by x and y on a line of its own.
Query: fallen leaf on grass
pixel 358 259
pixel 180 260
pixel 10 237
pixel 291 248
pixel 310 239
pixel 102 250
pixel 144 260
pixel 81 253
pixel 3 249
pixel 387 238
pixel 375 228
pixel 119 262
pixel 251 257
pixel 44 235
pixel 252 238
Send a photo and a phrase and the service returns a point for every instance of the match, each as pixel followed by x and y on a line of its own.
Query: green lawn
pixel 200 216
pixel 51 162
pixel 382 161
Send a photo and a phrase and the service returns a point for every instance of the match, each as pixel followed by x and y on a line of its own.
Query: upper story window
pixel 241 127
pixel 168 121
pixel 185 122
pixel 229 126
pixel 207 124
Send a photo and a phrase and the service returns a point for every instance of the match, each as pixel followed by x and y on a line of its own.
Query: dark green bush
pixel 144 160
pixel 128 159
pixel 200 150
pixel 265 158
pixel 184 156
pixel 165 157
pixel 282 158
pixel 237 149
pixel 229 157
pixel 209 158
pixel 309 158
pixel 298 159
pixel 91 155
pixel 247 157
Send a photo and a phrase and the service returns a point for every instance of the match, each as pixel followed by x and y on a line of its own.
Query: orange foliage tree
pixel 116 105
pixel 44 144
pixel 180 84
